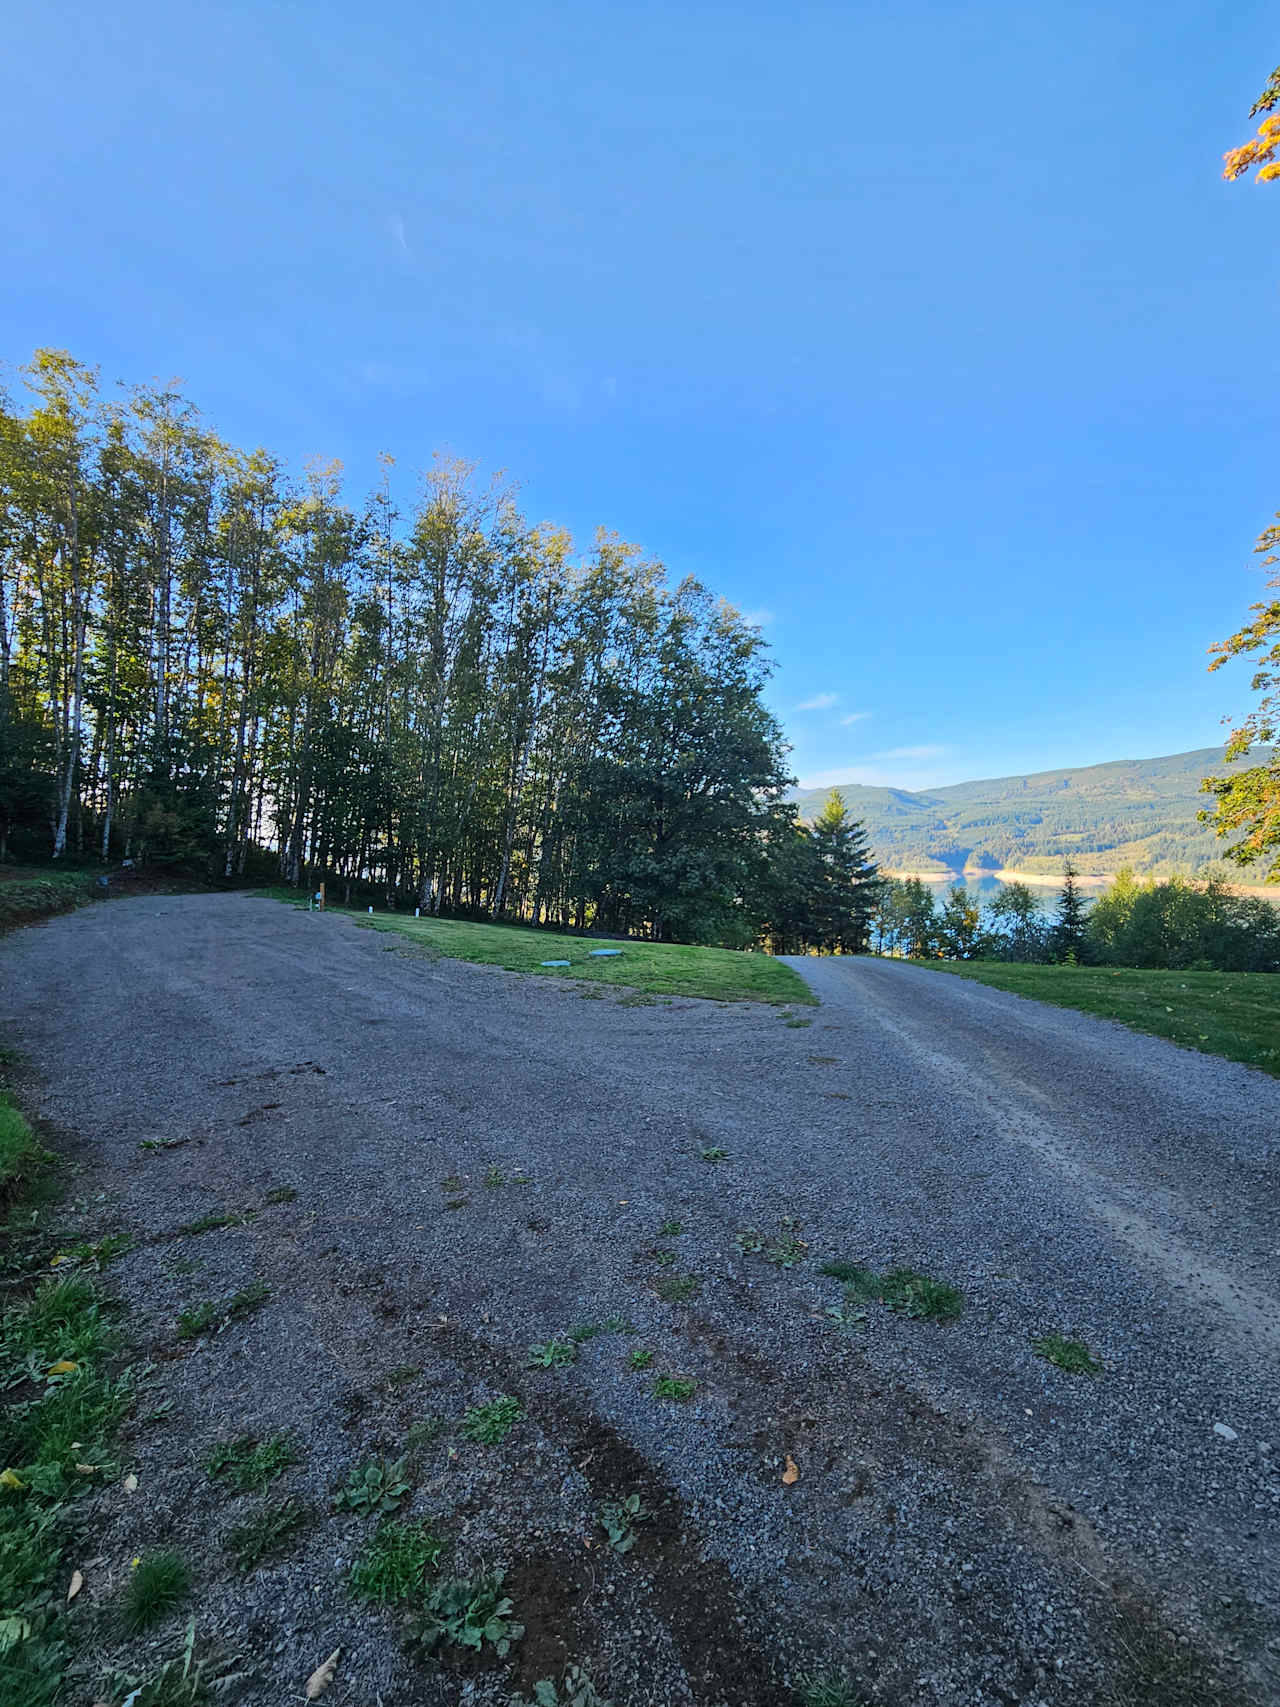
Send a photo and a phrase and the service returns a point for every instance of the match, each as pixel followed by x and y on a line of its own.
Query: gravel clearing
pixel 483 1160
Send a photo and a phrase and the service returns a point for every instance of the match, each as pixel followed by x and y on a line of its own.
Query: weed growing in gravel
pixel 282 1194
pixel 197 1319
pixel 207 1316
pixel 153 1144
pixel 218 1218
pixel 552 1354
pixel 664 1258
pixel 681 1388
pixel 905 1290
pixel 670 1230
pixel 403 1375
pixel 182 1682
pixel 468 1611
pixel 375 1486
pixel 576 1690
pixel 785 1250
pixel 830 1689
pixel 677 1288
pixel 248 1464
pixel 488 1424
pixel 428 1429
pixel 105 1251
pixel 618 1519
pixel 847 1315
pixel 494 1177
pixel 393 1563
pixel 452 1184
pixel 798 1024
pixel 639 1359
pixel 584 1331
pixel 265 1532
pixel 160 1582
pixel 1072 1355
pixel 713 1153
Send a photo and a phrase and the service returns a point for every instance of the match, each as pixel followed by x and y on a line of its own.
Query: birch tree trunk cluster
pixel 207 659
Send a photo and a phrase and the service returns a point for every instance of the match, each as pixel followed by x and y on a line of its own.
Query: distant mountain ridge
pixel 1135 812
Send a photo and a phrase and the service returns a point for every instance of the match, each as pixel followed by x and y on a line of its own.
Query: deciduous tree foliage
pixel 1261 150
pixel 204 658
pixel 1249 802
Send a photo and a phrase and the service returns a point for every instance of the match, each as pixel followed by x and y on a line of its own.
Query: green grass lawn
pixel 1236 1014
pixel 662 969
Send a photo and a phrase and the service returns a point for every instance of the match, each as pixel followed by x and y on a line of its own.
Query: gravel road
pixel 970 1526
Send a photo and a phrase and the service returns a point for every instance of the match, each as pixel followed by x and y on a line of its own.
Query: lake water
pixel 984 888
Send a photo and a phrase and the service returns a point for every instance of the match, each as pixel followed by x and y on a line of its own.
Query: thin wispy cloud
pixel 910 753
pixel 818 702
pixel 853 717
pixel 395 225
pixel 758 618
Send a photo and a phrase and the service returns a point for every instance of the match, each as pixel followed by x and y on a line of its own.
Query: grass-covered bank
pixel 1234 1014
pixel 662 969
pixel 28 893
pixel 63 1400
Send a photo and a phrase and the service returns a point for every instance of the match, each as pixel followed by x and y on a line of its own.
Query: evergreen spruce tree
pixel 1069 938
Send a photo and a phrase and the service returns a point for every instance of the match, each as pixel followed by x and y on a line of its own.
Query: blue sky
pixel 928 332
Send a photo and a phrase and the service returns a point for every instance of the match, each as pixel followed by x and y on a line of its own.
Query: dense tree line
pixel 1175 924
pixel 205 659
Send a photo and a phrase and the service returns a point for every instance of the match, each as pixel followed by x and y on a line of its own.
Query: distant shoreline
pixel 1048 880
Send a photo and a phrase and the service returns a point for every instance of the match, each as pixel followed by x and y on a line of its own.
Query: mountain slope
pixel 1138 812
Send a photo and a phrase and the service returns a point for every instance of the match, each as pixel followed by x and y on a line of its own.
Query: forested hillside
pixel 1132 812
pixel 204 658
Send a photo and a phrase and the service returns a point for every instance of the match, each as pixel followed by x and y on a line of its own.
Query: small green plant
pixel 713 1153
pixel 452 1184
pixel 664 1258
pixel 201 1318
pixel 576 1690
pixel 488 1424
pixel 152 1144
pixel 618 1519
pixel 670 1230
pixel 920 1297
pixel 829 1689
pixel 798 1024
pixel 375 1486
pixel 1072 1355
pixel 852 1273
pixel 847 1315
pixel 393 1563
pixel 428 1429
pixel 785 1250
pixel 468 1611
pixel 265 1532
pixel 905 1290
pixel 197 1319
pixel 181 1682
pixel 403 1375
pixel 282 1194
pixel 105 1251
pixel 160 1582
pixel 494 1177
pixel 677 1288
pixel 248 1464
pixel 639 1358
pixel 553 1353
pixel 215 1219
pixel 681 1388
pixel 589 1330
